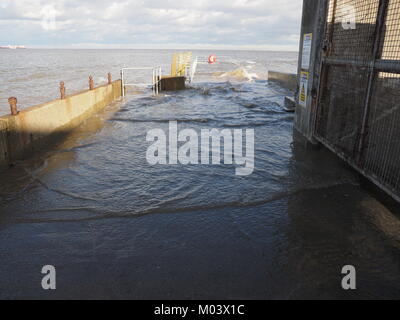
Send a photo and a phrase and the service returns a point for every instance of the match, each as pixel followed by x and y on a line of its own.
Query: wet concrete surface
pixel 115 227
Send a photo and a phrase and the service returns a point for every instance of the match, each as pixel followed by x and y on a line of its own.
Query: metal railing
pixel 155 80
pixel 180 64
pixel 199 60
pixel 192 70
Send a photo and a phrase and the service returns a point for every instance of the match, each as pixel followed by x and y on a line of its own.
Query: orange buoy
pixel 212 59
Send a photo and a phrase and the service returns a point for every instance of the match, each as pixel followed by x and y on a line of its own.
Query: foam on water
pixel 239 75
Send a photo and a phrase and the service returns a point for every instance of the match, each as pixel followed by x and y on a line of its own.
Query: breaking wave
pixel 240 74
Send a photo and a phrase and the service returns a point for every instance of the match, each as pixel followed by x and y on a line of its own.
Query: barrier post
pixel 13 105
pixel 62 90
pixel 91 83
pixel 174 64
pixel 122 83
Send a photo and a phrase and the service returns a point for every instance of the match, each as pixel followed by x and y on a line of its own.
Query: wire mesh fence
pixel 391 42
pixel 343 100
pixel 382 148
pixel 349 42
pixel 359 103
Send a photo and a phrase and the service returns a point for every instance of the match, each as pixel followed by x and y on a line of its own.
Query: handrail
pixel 180 64
pixel 156 79
pixel 193 69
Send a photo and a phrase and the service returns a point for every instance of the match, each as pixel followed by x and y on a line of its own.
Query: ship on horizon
pixel 13 47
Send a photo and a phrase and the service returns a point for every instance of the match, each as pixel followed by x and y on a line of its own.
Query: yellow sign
pixel 180 62
pixel 303 94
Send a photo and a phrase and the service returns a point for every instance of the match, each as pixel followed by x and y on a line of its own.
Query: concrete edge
pixel 286 80
pixel 34 127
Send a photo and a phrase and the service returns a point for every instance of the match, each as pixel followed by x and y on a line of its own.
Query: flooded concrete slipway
pixel 116 227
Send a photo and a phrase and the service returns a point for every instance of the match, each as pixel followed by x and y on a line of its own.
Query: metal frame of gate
pixel 155 80
pixel 358 109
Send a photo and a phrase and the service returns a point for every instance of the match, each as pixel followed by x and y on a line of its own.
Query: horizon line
pixel 156 48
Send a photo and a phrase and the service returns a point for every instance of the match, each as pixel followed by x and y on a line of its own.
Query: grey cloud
pixel 238 23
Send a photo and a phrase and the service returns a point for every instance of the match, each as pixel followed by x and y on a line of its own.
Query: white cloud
pixel 157 23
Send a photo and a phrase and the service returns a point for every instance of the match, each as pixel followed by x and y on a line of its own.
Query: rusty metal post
pixel 109 78
pixel 91 83
pixel 62 90
pixel 13 105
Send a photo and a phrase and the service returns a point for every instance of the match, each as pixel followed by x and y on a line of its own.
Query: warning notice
pixel 306 57
pixel 303 94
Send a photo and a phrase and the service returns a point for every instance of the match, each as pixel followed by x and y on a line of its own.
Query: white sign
pixel 307 43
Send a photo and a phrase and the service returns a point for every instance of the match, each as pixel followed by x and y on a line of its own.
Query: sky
pixel 164 24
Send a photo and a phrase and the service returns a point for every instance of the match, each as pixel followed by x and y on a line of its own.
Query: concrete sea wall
pixel 23 134
pixel 286 80
pixel 3 143
pixel 172 83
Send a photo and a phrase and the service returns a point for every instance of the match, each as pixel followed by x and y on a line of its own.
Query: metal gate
pixel 358 114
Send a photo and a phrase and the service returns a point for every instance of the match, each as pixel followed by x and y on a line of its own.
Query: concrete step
pixel 290 104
